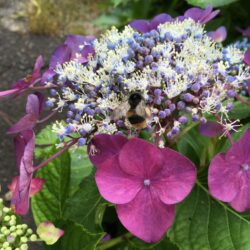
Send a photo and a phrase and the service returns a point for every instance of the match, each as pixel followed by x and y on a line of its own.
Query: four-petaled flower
pixel 229 173
pixel 144 182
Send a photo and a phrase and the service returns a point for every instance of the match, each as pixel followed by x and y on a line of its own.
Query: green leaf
pixel 76 238
pixel 164 244
pixel 86 206
pixel 105 21
pixel 204 223
pixel 214 3
pixel 47 137
pixel 240 111
pixel 48 204
pixel 193 145
pixel 80 167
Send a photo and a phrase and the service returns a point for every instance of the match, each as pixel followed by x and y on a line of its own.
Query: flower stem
pixel 47 117
pixel 42 164
pixel 242 100
pixel 110 243
pixel 229 137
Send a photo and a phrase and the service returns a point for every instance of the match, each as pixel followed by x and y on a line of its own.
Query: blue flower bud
pixel 81 141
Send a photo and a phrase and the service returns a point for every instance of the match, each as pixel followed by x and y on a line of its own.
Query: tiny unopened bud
pixel 33 237
pixel 19 232
pixel 6 244
pixel 29 231
pixel 23 239
pixel 6 232
pixel 24 247
pixel 6 218
pixel 6 210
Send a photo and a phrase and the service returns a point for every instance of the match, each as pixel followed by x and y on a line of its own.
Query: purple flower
pixel 218 35
pixel 245 32
pixel 201 15
pixel 25 145
pixel 69 51
pixel 144 26
pixel 34 108
pixel 247 57
pixel 143 181
pixel 22 84
pixel 211 129
pixel 228 175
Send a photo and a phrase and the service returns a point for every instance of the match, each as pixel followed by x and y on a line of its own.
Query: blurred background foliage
pixel 60 17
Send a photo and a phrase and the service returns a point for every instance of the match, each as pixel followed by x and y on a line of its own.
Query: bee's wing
pixel 140 109
pixel 120 112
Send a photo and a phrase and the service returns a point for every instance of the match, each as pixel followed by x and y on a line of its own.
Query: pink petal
pixel 25 123
pixel 115 185
pixel 160 19
pixel 247 57
pixel 176 179
pixel 239 153
pixel 140 25
pixel 223 178
pixel 146 217
pixel 60 55
pixel 103 147
pixel 37 67
pixel 241 202
pixel 20 198
pixel 211 129
pixel 140 158
pixel 12 186
pixel 32 105
pixel 26 144
pixel 36 186
pixel 8 92
pixel 218 35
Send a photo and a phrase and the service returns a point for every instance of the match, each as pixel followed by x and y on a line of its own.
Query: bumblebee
pixel 138 112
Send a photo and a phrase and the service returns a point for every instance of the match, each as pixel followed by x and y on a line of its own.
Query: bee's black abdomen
pixel 135 119
pixel 134 100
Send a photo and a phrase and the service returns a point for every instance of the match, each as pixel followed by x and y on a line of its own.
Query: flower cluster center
pixel 147 182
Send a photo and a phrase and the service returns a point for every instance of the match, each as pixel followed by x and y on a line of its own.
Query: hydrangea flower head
pixel 228 176
pixel 180 72
pixel 143 181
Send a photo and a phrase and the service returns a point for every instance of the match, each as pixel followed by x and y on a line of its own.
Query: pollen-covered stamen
pixel 146 182
pixel 245 166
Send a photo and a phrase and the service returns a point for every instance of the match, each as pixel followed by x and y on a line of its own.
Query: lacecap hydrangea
pixel 182 74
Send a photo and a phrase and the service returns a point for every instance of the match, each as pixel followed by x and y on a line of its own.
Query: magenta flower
pixel 143 181
pixel 218 35
pixel 71 49
pixel 202 15
pixel 25 145
pixel 23 84
pixel 211 129
pixel 247 57
pixel 35 186
pixel 228 175
pixel 34 108
pixel 144 26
